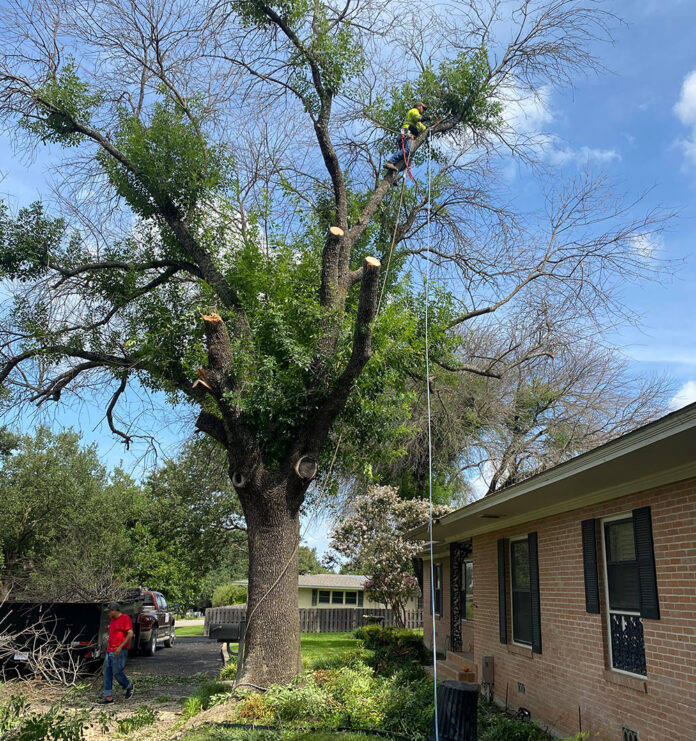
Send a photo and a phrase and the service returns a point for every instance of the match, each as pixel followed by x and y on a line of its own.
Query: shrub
pixel 229 671
pixel 502 728
pixel 229 594
pixel 208 694
pixel 394 649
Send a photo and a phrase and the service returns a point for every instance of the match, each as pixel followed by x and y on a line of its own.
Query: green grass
pixel 211 733
pixel 323 646
pixel 189 630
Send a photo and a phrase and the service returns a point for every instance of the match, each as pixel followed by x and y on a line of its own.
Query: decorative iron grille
pixel 627 645
pixel 458 554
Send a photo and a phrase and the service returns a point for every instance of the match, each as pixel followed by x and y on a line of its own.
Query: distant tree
pixel 308 561
pixel 372 540
pixel 229 594
pixel 63 520
pixel 188 526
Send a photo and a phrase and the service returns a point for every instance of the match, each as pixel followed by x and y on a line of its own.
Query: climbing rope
pixel 430 447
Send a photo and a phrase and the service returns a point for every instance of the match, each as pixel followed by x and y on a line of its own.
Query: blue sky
pixel 637 122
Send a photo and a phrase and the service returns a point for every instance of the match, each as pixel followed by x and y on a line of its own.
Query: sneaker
pixel 130 691
pixel 391 166
pixel 105 701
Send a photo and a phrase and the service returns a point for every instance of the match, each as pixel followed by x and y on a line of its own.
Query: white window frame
pixel 334 595
pixel 607 619
pixel 319 599
pixel 516 539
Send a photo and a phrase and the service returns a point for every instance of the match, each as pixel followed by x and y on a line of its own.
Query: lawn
pixel 315 646
pixel 189 630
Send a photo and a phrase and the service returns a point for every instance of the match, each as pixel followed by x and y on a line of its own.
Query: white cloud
pixel 528 116
pixel 685 111
pixel 685 395
pixel 646 245
pixel 558 155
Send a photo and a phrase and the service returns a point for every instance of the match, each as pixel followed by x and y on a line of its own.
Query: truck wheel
pixel 169 642
pixel 151 649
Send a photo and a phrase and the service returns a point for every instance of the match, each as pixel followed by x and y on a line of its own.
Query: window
pixel 337 598
pixel 623 596
pixel 467 594
pixel 324 597
pixel 521 592
pixel 438 589
pixel 351 598
pixel 147 600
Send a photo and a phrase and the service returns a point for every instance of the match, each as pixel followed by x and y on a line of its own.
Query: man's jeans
pixel 407 144
pixel 113 667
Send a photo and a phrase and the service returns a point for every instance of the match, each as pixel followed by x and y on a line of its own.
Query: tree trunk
pixel 272 652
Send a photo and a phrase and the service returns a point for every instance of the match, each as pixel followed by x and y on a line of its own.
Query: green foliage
pixel 171 165
pixel 229 594
pixel 63 105
pixel 353 697
pixel 495 725
pixel 19 723
pixel 309 562
pixel 143 716
pixel 459 88
pixel 208 694
pixel 229 671
pixel 394 650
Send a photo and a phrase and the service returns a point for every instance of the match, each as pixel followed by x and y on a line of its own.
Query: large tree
pixel 205 150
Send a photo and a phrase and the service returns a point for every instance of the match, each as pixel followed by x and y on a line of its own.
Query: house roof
pixel 659 453
pixel 327 581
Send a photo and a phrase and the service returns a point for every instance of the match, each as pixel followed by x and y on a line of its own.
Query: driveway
pixel 189 655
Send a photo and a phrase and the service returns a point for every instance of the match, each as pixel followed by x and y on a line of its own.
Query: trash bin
pixel 456 712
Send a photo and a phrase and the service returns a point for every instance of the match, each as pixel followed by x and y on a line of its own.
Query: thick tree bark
pixel 272 653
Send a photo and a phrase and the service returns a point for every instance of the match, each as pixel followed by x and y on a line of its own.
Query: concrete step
pixel 461 658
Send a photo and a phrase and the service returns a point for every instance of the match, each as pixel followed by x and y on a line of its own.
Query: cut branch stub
pixel 306 467
pixel 336 231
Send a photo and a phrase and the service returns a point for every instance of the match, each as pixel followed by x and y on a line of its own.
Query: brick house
pixel 580 583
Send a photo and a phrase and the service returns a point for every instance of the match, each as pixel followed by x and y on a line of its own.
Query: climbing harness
pixel 407 159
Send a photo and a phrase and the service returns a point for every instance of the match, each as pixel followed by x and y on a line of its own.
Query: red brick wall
pixel 572 671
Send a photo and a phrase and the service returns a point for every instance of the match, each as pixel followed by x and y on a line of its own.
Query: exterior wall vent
pixel 628 735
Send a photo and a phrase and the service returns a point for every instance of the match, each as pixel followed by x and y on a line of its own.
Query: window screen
pixel 622 566
pixel 521 592
pixel 337 598
pixel 324 597
pixel 351 598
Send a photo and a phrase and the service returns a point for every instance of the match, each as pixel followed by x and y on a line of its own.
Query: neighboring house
pixel 336 591
pixel 580 583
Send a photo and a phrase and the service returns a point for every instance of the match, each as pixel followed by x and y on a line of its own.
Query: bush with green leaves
pixel 394 649
pixel 229 671
pixel 208 694
pixel 229 594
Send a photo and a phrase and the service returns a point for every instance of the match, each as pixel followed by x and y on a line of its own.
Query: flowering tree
pixel 373 540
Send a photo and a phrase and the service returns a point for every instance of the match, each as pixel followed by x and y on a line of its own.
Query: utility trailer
pixel 81 629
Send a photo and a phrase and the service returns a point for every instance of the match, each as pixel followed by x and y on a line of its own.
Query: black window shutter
pixel 502 605
pixel 645 554
pixel 534 589
pixel 361 598
pixel 314 597
pixel 589 562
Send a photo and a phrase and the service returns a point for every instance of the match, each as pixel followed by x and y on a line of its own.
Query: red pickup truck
pixel 155 624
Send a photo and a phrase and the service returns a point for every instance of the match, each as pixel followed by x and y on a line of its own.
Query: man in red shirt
pixel 120 635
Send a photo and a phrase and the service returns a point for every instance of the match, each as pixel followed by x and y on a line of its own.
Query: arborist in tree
pixel 414 124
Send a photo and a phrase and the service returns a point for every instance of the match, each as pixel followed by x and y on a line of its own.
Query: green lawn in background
pixel 189 630
pixel 212 733
pixel 316 646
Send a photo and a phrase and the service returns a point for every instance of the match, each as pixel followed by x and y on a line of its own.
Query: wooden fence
pixel 319 620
